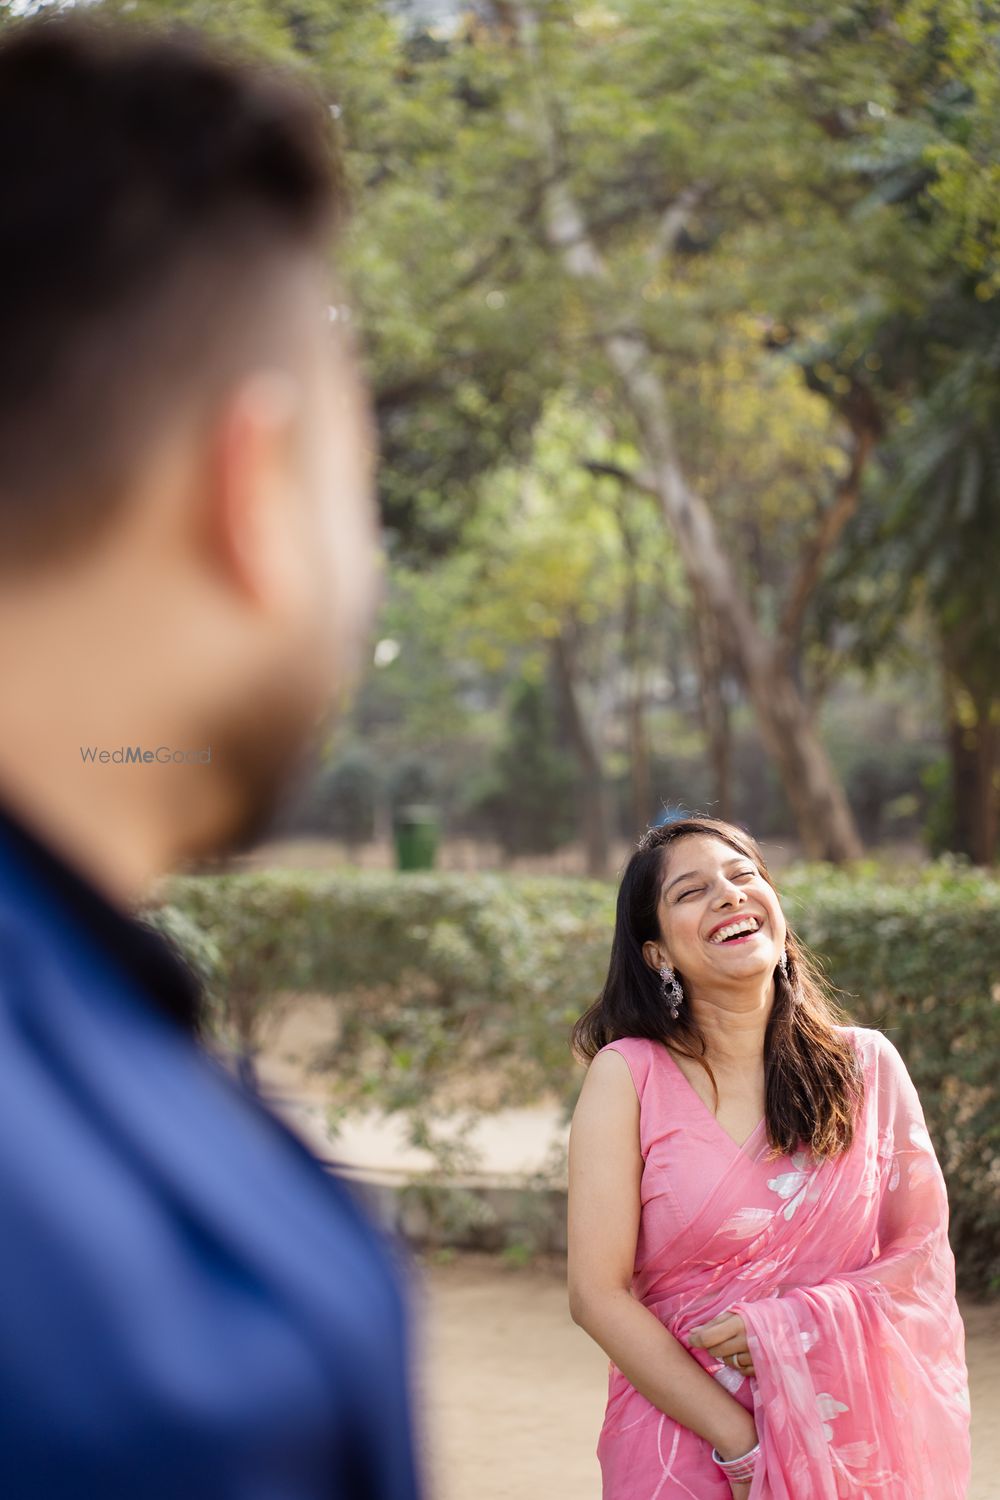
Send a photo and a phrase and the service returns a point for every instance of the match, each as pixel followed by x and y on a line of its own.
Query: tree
pixel 663 180
pixel 529 797
pixel 825 821
pixel 929 533
pixel 552 585
pixel 929 536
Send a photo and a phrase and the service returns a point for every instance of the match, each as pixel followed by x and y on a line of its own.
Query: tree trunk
pixel 714 713
pixel 974 750
pixel 865 427
pixel 638 740
pixel 593 796
pixel 825 823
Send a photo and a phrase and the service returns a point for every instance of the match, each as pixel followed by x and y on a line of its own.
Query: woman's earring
pixel 783 964
pixel 671 989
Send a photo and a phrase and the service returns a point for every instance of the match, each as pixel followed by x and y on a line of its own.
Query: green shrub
pixel 455 985
pixel 919 958
pixel 345 801
pixel 444 971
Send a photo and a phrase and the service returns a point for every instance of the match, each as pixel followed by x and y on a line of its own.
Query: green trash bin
pixel 418 832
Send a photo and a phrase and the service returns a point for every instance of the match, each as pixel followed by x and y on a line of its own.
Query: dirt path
pixel 513 1392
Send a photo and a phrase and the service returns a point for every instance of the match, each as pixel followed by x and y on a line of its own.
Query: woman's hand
pixel 725 1338
pixel 739 1437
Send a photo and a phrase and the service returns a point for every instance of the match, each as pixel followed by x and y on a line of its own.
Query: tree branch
pixel 865 428
pixel 643 482
pixel 674 221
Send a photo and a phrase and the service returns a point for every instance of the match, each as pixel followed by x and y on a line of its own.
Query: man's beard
pixel 267 759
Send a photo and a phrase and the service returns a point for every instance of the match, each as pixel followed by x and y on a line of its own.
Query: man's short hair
pixel 148 187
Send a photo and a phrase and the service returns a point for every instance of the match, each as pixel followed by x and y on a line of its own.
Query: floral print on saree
pixel 843 1275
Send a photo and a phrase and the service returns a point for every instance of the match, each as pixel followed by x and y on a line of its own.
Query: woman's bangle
pixel 738 1468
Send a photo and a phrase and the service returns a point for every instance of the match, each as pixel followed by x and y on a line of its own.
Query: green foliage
pixel 344 802
pixel 459 993
pixel 528 801
pixel 412 780
pixel 920 959
pixel 926 537
pixel 940 821
pixel 931 529
pixel 438 959
pixel 841 167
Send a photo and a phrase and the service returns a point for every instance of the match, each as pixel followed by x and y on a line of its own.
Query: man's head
pixel 185 476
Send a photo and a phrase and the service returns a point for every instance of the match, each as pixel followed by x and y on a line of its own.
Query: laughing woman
pixel 757 1222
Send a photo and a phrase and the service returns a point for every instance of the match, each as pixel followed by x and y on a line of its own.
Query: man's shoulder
pixel 137 1172
pixel 109 1092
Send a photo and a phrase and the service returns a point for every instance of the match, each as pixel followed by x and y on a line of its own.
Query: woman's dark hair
pixel 812 1078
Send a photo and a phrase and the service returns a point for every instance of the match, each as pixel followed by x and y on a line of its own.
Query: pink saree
pixel 844 1277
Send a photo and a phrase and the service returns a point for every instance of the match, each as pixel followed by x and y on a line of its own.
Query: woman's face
pixel 720 921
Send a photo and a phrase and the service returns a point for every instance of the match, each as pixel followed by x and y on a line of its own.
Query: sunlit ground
pixel 514 1392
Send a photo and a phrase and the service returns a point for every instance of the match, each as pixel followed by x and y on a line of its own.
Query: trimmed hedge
pixel 458 985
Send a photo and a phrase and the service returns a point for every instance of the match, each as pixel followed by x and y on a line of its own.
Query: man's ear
pixel 256 519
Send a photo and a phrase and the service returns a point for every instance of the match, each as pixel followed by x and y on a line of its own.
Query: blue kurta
pixel 191 1306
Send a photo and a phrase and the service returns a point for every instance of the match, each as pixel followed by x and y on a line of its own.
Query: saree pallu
pixel 845 1280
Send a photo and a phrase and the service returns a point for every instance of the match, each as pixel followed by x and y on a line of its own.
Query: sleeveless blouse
pixel 860 1389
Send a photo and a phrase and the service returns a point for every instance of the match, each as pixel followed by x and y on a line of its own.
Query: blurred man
pixel 189 1305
